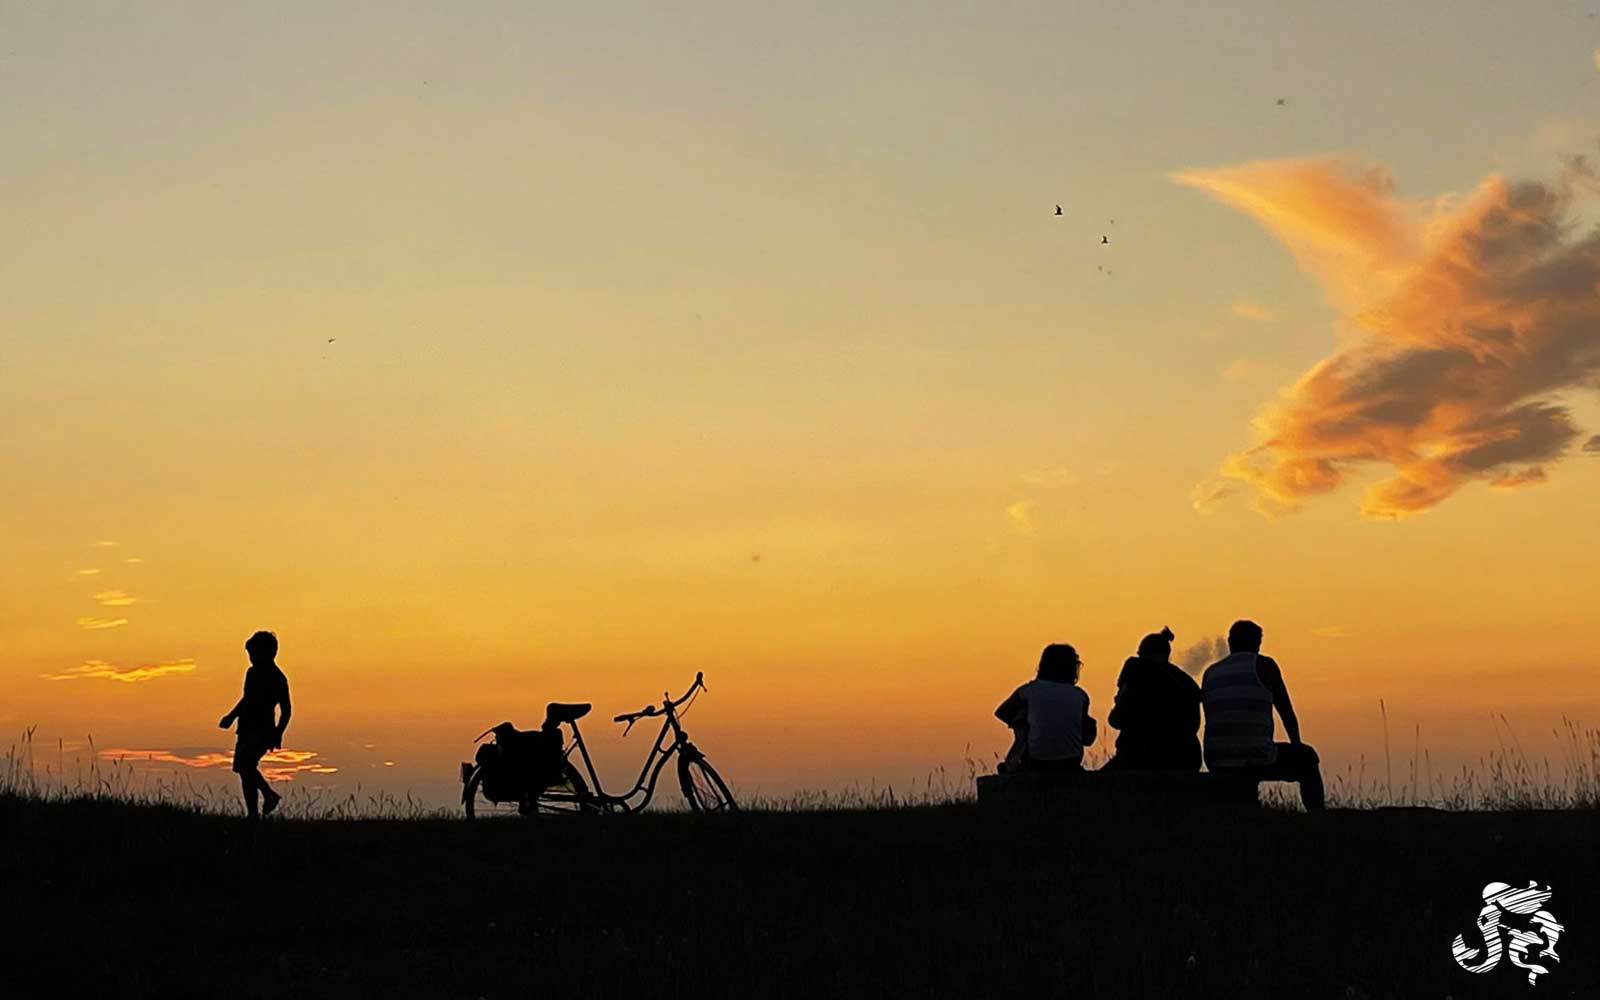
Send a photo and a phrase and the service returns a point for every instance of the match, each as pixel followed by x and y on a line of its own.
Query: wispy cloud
pixel 89 572
pixel 1475 314
pixel 133 560
pixel 101 670
pixel 279 765
pixel 1020 514
pixel 99 623
pixel 1202 654
pixel 1592 446
pixel 1331 632
pixel 116 598
pixel 1054 477
pixel 1238 369
pixel 1251 309
pixel 1206 496
pixel 1517 479
pixel 106 544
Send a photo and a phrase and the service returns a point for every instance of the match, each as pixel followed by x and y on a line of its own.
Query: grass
pixel 851 895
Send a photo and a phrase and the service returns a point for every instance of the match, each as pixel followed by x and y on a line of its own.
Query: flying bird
pixel 1283 102
pixel 1105 240
pixel 331 339
pixel 1058 209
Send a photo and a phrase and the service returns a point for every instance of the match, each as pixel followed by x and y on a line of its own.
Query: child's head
pixel 1157 646
pixel 262 647
pixel 1059 662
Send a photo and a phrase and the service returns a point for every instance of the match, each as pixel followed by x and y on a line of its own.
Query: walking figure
pixel 265 688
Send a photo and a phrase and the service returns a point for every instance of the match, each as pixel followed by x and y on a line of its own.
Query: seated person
pixel 1049 716
pixel 1239 693
pixel 1157 711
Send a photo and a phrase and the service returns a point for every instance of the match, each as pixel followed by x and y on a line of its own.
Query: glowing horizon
pixel 498 357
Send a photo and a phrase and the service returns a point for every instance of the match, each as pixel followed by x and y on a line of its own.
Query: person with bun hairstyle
pixel 1157 711
pixel 1049 716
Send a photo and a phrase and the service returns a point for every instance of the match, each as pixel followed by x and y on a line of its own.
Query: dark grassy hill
pixel 113 900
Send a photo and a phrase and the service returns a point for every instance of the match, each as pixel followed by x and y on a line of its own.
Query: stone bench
pixel 1119 790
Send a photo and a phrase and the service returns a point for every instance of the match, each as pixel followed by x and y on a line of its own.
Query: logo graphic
pixel 1499 902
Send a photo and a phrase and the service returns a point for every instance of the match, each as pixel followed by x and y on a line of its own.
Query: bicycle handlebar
pixel 670 703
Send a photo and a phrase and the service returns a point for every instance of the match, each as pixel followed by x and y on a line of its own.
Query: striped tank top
pixel 1239 727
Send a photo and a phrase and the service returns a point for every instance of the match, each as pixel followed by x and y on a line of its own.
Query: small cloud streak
pixel 1331 632
pixel 101 670
pixel 106 545
pixel 1517 479
pixel 1058 477
pixel 1236 370
pixel 1207 496
pixel 279 765
pixel 1253 310
pixel 1473 316
pixel 99 623
pixel 89 572
pixel 1020 515
pixel 115 598
pixel 133 560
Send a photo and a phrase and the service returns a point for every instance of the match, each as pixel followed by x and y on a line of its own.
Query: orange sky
pixel 492 360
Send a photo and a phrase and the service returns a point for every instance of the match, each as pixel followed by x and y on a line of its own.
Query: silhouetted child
pixel 1049 716
pixel 265 688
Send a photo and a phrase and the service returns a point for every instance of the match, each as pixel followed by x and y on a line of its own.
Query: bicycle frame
pixel 649 774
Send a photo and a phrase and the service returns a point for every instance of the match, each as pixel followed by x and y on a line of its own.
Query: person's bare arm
pixel 283 715
pixel 1272 679
pixel 1011 708
pixel 1090 728
pixel 233 713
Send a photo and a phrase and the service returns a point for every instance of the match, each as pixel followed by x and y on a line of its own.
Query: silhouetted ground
pixel 109 900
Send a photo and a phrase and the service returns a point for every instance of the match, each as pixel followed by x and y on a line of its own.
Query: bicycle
pixel 702 787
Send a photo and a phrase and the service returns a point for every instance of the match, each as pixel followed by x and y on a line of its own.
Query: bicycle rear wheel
pixel 703 787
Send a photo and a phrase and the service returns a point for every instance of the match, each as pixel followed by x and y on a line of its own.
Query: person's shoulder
pixel 1267 663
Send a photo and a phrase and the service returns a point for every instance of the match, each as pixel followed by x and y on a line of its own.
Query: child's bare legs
pixel 255 784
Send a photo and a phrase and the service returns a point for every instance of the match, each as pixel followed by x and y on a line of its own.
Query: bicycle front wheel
pixel 703 787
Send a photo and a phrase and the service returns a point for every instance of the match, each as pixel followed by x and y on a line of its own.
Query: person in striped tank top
pixel 1238 694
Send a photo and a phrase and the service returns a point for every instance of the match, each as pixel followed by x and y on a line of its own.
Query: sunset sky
pixel 499 353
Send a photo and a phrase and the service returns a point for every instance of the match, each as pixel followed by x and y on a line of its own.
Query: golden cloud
pixel 279 765
pixel 89 572
pixel 1474 315
pixel 101 670
pixel 99 623
pixel 116 598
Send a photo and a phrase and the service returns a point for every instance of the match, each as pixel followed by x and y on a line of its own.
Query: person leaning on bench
pixel 1239 693
pixel 1157 712
pixel 1049 716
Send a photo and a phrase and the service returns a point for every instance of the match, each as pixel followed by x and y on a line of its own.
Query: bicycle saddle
pixel 558 711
